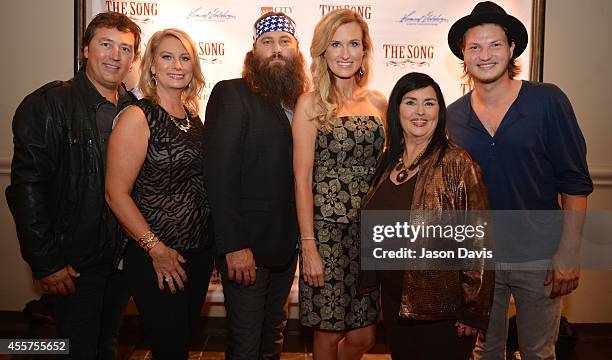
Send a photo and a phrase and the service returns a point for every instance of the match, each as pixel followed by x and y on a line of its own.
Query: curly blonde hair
pixel 191 94
pixel 327 98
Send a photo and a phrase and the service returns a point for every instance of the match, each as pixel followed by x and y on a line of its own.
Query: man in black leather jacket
pixel 56 196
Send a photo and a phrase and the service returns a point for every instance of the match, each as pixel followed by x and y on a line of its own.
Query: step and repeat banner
pixel 408 35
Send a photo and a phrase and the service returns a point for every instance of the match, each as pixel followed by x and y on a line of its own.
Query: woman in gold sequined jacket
pixel 428 314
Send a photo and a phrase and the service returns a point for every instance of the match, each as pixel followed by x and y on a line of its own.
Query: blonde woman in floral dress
pixel 338 135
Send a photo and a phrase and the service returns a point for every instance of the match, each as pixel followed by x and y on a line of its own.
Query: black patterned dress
pixel 344 165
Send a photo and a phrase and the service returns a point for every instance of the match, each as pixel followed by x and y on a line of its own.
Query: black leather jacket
pixel 56 194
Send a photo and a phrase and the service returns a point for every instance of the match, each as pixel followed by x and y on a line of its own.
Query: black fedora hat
pixel 488 12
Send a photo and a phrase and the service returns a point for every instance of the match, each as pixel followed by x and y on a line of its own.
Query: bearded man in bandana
pixel 249 177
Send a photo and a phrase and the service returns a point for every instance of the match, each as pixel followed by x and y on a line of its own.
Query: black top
pixel 169 190
pixel 106 113
pixel 393 197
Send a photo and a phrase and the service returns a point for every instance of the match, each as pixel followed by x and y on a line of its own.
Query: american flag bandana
pixel 274 23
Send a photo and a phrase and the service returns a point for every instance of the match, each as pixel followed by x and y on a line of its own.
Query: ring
pixel 167 278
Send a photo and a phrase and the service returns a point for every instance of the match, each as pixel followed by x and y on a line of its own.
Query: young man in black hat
pixel 528 143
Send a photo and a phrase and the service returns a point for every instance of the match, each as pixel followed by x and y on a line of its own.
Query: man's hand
pixel 563 281
pixel 241 267
pixel 564 274
pixel 60 282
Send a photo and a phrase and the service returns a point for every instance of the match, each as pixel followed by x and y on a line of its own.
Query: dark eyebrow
pixel 113 41
pixel 413 98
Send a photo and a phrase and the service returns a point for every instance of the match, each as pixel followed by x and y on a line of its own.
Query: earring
pixel 361 72
pixel 153 81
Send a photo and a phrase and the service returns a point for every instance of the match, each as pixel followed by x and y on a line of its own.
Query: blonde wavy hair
pixel 191 94
pixel 327 97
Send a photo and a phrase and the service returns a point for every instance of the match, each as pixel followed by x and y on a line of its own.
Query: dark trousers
pixel 91 317
pixel 257 314
pixel 169 320
pixel 415 339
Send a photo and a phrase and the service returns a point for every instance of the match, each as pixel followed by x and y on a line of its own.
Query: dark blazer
pixel 248 169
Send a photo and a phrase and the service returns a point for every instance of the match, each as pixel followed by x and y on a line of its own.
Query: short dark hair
pixel 111 19
pixel 513 66
pixel 395 139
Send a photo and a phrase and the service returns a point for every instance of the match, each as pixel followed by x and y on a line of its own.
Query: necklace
pixel 402 174
pixel 178 124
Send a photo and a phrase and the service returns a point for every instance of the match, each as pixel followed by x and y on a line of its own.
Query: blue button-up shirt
pixel 537 152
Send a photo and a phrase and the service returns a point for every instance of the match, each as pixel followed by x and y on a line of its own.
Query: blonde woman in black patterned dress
pixel 338 135
pixel 155 187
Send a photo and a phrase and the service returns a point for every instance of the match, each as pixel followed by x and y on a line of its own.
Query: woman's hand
pixel 312 265
pixel 167 266
pixel 465 330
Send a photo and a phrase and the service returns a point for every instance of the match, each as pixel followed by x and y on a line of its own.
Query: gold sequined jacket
pixel 455 183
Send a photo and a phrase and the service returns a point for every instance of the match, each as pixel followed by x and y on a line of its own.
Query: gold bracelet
pixel 146 237
pixel 148 240
pixel 150 245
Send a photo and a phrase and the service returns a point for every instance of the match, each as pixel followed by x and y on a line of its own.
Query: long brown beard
pixel 280 82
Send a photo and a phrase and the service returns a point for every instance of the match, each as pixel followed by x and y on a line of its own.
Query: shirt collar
pixel 518 105
pixel 94 98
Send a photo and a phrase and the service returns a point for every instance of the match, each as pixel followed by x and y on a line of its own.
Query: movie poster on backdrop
pixel 407 35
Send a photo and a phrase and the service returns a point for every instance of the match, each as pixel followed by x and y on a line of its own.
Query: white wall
pixel 38 37
pixel 577 55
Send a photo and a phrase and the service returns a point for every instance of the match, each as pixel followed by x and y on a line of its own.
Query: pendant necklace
pixel 402 171
pixel 178 124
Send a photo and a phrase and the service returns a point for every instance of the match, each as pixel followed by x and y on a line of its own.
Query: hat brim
pixel 516 31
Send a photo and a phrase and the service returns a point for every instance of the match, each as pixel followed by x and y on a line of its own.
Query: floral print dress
pixel 344 165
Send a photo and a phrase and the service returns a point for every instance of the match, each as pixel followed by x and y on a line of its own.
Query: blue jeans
pixel 257 314
pixel 91 317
